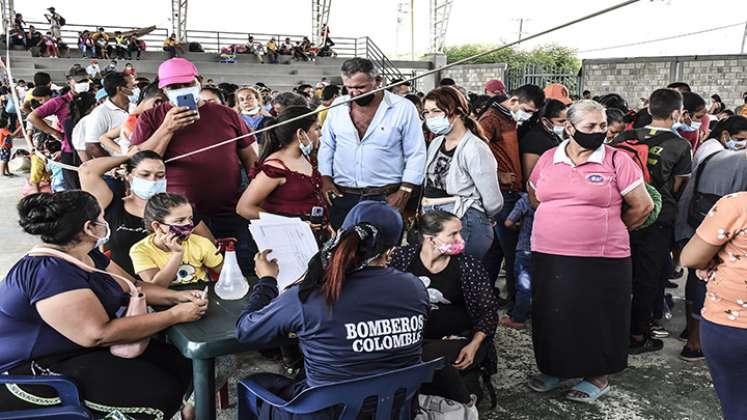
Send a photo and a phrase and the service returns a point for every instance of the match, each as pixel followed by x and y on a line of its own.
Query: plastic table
pixel 204 340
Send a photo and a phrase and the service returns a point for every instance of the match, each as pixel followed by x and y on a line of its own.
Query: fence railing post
pixel 217 34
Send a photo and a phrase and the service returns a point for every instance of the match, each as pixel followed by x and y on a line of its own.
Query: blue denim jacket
pixel 524 212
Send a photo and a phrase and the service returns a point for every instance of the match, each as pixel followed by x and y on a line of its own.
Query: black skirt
pixel 580 314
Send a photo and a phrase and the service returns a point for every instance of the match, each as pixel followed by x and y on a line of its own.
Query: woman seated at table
pixel 347 287
pixel 285 181
pixel 462 304
pixel 56 318
pixel 145 176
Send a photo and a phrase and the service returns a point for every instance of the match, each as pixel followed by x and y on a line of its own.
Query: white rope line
pixel 380 89
pixel 428 73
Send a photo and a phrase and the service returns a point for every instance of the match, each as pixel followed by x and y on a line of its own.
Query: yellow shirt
pixel 322 114
pixel 169 42
pixel 39 172
pixel 199 253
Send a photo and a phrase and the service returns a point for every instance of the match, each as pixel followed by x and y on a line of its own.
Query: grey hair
pixel 578 111
pixel 359 65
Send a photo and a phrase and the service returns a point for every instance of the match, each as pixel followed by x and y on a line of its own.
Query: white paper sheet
pixel 292 243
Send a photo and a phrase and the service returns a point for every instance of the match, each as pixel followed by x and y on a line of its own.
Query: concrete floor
pixel 657 386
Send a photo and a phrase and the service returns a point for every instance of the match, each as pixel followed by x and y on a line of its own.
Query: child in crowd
pixel 172 254
pixel 40 177
pixel 6 143
pixel 521 217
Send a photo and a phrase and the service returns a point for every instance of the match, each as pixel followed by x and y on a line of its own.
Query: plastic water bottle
pixel 231 285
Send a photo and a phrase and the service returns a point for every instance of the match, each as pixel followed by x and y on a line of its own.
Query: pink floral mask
pixel 454 248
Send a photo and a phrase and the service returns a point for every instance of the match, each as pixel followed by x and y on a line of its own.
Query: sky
pixel 472 21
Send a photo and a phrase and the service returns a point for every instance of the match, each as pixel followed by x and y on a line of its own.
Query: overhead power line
pixel 667 38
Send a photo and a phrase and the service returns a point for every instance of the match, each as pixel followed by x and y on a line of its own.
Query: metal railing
pixel 214 41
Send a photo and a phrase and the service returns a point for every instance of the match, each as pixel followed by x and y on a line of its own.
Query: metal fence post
pixel 217 34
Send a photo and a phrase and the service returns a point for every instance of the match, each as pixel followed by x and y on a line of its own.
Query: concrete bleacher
pixel 246 71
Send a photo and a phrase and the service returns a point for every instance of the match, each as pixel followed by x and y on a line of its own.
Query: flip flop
pixel 543 383
pixel 592 392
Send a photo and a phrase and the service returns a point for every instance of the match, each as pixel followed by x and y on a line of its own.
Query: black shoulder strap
pixel 700 169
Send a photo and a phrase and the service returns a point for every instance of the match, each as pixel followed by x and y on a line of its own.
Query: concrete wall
pixel 636 77
pixel 473 76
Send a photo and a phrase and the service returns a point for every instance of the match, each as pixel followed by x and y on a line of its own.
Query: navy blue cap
pixel 379 214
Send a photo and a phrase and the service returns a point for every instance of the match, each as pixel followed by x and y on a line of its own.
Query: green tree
pixel 547 55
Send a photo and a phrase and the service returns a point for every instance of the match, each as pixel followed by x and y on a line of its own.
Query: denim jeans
pixel 725 350
pixel 476 229
pixel 505 247
pixel 342 205
pixel 522 270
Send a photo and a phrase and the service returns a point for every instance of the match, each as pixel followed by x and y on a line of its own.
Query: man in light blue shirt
pixel 372 148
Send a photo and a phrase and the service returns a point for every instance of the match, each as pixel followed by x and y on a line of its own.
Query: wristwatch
pixel 405 189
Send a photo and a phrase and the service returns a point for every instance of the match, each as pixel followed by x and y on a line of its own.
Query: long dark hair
pixel 80 106
pixel 357 246
pixel 452 102
pixel 280 137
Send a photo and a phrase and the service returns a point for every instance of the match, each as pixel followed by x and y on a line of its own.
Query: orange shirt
pixel 726 226
pixel 503 140
pixel 5 141
pixel 128 127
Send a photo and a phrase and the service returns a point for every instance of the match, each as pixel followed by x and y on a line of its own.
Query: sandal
pixel 587 388
pixel 543 383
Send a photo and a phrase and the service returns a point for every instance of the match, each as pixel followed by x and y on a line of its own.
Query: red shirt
pixel 211 180
pixel 296 196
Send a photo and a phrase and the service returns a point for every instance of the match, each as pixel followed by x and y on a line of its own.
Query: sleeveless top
pixel 297 196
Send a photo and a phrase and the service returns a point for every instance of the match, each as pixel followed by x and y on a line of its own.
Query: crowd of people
pixel 417 200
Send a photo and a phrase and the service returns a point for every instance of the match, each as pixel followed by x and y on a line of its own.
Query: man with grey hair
pixel 372 148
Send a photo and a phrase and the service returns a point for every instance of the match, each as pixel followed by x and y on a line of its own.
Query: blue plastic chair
pixel 71 408
pixel 350 394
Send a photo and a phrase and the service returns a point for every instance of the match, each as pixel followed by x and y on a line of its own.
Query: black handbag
pixel 701 203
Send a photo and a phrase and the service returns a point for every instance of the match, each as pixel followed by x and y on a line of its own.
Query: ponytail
pixel 345 258
pixel 280 137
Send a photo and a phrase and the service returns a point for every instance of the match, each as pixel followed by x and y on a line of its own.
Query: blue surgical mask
pixel 439 126
pixel 135 95
pixel 733 144
pixel 306 149
pixel 145 188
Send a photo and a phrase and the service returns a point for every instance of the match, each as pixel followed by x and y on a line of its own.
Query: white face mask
pixel 172 94
pixel 733 144
pixel 253 111
pixel 145 188
pixel 104 239
pixel 81 87
pixel 520 116
pixel 559 130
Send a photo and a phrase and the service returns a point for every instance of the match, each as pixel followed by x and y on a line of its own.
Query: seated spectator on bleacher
pixel 347 287
pixel 172 131
pixel 286 48
pixel 272 50
pixel 171 45
pixel 85 44
pixel 299 52
pixel 100 39
pixel 120 45
pixel 110 114
pixel 256 48
pixel 57 317
pixel 50 46
pixel 249 106
pixel 34 38
pixel 93 70
pixel 134 45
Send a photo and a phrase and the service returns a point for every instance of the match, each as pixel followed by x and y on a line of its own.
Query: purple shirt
pixel 58 107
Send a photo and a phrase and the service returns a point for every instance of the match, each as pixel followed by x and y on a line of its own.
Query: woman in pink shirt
pixel 587 196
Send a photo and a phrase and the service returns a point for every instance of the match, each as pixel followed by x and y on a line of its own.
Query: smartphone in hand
pixel 188 101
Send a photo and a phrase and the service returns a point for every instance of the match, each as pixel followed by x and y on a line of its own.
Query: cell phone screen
pixel 187 100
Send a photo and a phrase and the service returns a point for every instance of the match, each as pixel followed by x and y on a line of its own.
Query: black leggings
pixel 448 382
pixel 151 386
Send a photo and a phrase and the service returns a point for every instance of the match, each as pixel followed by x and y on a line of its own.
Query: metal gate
pixel 537 74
